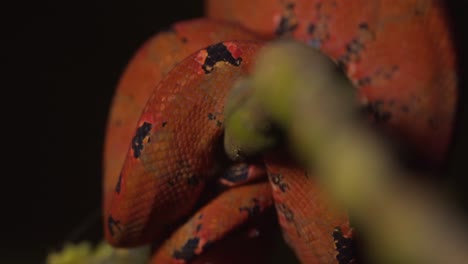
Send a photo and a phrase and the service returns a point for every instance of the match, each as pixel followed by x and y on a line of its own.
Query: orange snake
pixel 163 161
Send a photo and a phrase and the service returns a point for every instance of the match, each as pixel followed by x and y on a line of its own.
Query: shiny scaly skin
pixel 313 226
pixel 386 48
pixel 152 61
pixel 173 152
pixel 399 54
pixel 232 208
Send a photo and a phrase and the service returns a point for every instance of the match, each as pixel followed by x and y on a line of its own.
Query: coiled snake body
pixel 162 151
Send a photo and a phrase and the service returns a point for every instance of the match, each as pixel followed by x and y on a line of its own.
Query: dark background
pixel 62 63
pixel 64 60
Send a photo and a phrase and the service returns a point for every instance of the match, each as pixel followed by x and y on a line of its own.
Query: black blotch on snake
pixel 251 210
pixel 137 142
pixel 217 53
pixel 187 252
pixel 288 22
pixel 345 246
pixel 111 224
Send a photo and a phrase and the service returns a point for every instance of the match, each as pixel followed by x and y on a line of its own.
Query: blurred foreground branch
pixel 103 253
pixel 299 90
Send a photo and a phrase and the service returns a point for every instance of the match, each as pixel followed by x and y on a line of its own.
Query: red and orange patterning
pixel 166 179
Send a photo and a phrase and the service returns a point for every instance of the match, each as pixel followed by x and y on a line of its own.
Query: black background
pixel 64 60
pixel 61 63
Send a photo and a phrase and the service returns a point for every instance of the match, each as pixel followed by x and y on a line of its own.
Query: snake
pixel 166 180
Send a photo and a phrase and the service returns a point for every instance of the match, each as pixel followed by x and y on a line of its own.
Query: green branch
pixel 300 91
